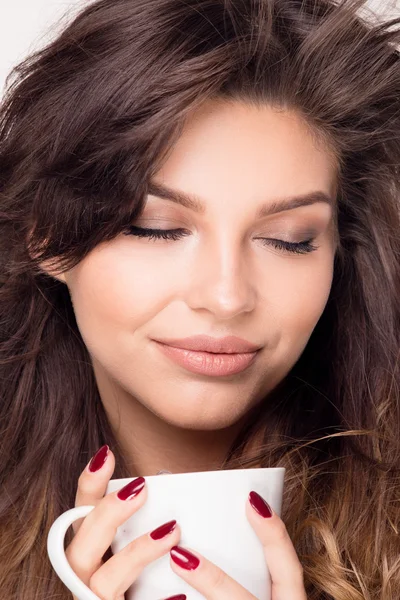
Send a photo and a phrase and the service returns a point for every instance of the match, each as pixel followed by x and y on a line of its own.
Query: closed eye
pixel 175 234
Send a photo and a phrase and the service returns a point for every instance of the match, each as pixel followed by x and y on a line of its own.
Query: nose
pixel 222 280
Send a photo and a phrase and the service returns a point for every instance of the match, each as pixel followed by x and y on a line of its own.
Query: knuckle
pixel 136 557
pixel 294 579
pixel 83 478
pixel 69 555
pixel 140 553
pixel 76 525
pixel 86 483
pixel 103 512
pixel 108 515
pixel 299 572
pixel 281 533
pixel 100 586
pixel 217 578
pixel 77 566
pixel 79 561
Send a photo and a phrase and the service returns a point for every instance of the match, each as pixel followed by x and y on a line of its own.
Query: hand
pixel 282 561
pixel 94 533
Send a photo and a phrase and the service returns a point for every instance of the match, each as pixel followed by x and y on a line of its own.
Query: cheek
pixel 304 297
pixel 112 293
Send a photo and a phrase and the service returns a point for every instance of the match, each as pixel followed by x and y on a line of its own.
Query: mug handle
pixel 56 553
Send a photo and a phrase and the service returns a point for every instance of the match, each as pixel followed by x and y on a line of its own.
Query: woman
pixel 263 140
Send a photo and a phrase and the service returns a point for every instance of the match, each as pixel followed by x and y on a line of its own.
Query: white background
pixel 26 25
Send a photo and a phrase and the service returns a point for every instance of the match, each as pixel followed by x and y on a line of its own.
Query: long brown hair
pixel 84 124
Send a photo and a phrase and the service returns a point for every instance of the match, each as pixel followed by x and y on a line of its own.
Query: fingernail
pixel 99 459
pixel 131 489
pixel 260 505
pixel 163 530
pixel 184 558
pixel 178 597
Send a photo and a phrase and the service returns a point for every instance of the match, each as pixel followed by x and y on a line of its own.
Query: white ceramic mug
pixel 210 509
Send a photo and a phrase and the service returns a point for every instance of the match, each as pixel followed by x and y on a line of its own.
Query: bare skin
pixel 219 279
pixel 110 579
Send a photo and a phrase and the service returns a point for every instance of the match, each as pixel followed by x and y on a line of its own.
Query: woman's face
pixel 220 278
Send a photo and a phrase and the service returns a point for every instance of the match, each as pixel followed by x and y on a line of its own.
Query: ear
pixel 49 266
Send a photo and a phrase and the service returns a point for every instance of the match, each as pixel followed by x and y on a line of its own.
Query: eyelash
pixel 175 234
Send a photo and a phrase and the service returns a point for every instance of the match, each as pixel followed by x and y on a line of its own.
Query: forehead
pixel 229 150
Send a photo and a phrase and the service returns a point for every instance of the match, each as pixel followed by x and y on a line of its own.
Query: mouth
pixel 229 344
pixel 209 363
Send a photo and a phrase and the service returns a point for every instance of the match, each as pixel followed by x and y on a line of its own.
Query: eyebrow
pixel 193 202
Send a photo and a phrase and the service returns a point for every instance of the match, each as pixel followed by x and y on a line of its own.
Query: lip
pixel 230 344
pixel 209 363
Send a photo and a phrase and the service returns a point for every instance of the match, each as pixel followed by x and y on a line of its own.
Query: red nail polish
pixel 178 597
pixel 184 558
pixel 99 459
pixel 131 489
pixel 163 530
pixel 260 505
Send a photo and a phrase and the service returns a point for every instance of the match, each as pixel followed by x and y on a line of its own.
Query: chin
pixel 201 421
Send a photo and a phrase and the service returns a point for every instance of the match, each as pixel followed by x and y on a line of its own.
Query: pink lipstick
pixel 208 363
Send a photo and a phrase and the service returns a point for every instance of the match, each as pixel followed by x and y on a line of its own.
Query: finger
pixel 92 485
pixel 206 577
pixel 283 563
pixel 99 527
pixel 119 572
